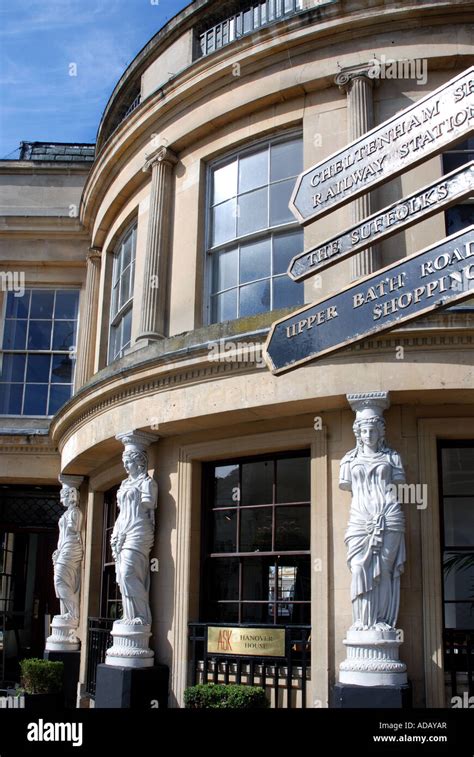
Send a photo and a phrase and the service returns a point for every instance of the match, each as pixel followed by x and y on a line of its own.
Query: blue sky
pixel 39 39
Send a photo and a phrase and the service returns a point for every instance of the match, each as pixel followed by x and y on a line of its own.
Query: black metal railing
pixel 98 642
pixel 459 660
pixel 284 678
pixel 247 21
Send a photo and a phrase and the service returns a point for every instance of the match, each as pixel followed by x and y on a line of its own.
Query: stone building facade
pixel 178 254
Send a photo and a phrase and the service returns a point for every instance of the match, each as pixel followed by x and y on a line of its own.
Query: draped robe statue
pixel 133 536
pixel 67 558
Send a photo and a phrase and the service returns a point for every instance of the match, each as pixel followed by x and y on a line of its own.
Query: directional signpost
pixel 436 277
pixel 422 130
pixel 441 194
pixel 439 276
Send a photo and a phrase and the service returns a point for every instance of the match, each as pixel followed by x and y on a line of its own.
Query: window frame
pixel 116 319
pixel 276 554
pixel 269 232
pixel 71 352
pixel 443 546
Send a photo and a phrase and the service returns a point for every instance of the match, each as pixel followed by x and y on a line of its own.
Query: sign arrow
pixel 433 278
pixel 424 203
pixel 422 130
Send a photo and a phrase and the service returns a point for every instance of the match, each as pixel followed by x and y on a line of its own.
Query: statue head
pixel 135 461
pixel 69 496
pixel 370 432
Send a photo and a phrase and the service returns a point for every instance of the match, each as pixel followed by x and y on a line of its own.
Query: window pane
pixel 59 395
pixel 253 212
pixel 14 335
pixel 37 369
pixel 223 222
pixel 225 531
pixel 459 521
pixel 63 337
pixel 255 298
pixel 458 470
pixel 124 288
pixel 257 483
pixel 256 613
pixel 126 252
pixel 114 347
pixel 39 335
pixel 17 307
pixel 459 217
pixel 127 329
pixel 62 369
pixel 287 293
pixel 224 182
pixel 224 578
pixel 294 580
pixel 279 198
pixel 67 304
pixel 225 270
pixel 459 615
pixel 292 480
pixel 256 529
pixel 253 170
pixel 292 528
pixel 285 247
pixel 255 260
pixel 459 575
pixel 42 303
pixel 452 160
pixel 10 399
pixel 286 159
pixel 36 396
pixel 223 612
pixel 13 368
pixel 226 485
pixel 257 575
pixel 224 306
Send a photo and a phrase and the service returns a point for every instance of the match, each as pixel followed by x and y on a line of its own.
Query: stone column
pixel 153 305
pixel 357 85
pixel 88 319
pixel 67 560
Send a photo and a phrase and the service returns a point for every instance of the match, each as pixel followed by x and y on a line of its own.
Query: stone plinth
pixel 373 659
pixel 130 648
pixel 63 635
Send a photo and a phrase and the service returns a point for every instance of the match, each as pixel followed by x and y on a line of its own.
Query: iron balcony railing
pixel 99 640
pixel 247 21
pixel 283 677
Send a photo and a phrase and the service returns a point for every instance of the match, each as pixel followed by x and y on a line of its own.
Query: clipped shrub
pixel 225 696
pixel 41 676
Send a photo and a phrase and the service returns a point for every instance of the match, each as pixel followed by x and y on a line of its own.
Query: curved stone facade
pixel 291 77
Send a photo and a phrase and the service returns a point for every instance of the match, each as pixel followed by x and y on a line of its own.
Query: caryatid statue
pixel 67 561
pixel 375 542
pixel 131 542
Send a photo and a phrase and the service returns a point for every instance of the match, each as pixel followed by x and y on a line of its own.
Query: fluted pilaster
pixel 358 87
pixel 88 321
pixel 153 307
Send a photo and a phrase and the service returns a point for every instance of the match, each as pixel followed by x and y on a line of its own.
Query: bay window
pixel 252 235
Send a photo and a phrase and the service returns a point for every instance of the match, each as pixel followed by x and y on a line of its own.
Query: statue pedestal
pixel 120 687
pixel 130 648
pixel 63 635
pixel 71 661
pixel 373 659
pixel 347 696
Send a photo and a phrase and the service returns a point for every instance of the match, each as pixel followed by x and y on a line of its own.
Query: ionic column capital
pixel 138 440
pixel 162 154
pixel 347 76
pixel 72 482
